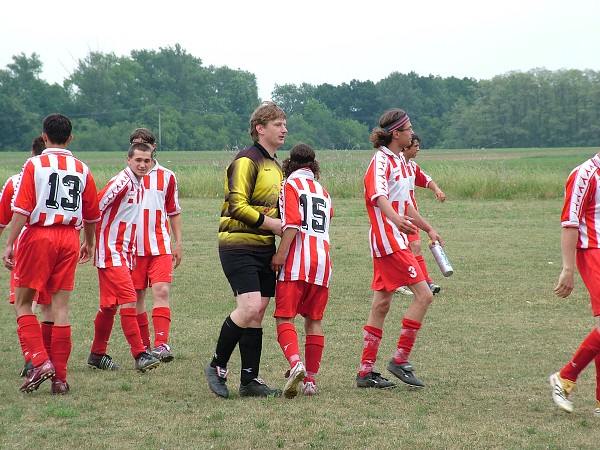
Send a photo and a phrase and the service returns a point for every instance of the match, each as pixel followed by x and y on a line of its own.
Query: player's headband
pixel 397 124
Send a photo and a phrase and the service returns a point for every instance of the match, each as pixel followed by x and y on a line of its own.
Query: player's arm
pixel 419 221
pixel 402 222
pixel 178 246
pixel 87 246
pixel 439 194
pixel 278 260
pixel 568 245
pixel 17 223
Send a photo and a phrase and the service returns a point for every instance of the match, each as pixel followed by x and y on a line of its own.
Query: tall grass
pixel 462 174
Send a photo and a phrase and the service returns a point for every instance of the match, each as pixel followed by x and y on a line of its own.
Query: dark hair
pixel 144 134
pixel 379 136
pixel 301 155
pixel 262 115
pixel 142 146
pixel 413 139
pixel 58 128
pixel 38 145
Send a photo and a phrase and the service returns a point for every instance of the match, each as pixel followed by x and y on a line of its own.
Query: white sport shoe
pixel 294 376
pixel 404 290
pixel 560 394
pixel 309 389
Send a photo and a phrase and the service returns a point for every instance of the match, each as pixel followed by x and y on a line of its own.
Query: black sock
pixel 228 339
pixel 250 350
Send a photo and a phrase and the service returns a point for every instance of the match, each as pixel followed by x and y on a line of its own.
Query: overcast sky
pixel 310 41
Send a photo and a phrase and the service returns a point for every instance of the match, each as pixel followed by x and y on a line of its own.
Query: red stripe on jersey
pixel 160 180
pixel 42 219
pixel 160 241
pixel 62 162
pixel 45 161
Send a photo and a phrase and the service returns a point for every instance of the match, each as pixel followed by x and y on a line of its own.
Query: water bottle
pixel 440 258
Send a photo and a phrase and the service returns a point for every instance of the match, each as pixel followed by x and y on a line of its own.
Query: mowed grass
pixel 489 341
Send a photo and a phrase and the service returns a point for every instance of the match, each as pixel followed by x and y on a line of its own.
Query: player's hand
pixel 406 226
pixel 277 262
pixel 566 282
pixel 434 236
pixel 8 258
pixel 177 255
pixel 439 195
pixel 85 253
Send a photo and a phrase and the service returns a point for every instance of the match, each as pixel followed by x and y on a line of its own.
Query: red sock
pixel 313 353
pixel 32 336
pixel 597 361
pixel 61 350
pixel 421 260
pixel 26 353
pixel 143 323
pixel 587 351
pixel 372 339
pixel 131 330
pixel 288 341
pixel 408 335
pixel 161 319
pixel 47 337
pixel 103 326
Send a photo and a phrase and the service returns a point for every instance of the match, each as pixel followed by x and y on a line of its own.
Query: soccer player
pixel 580 246
pixel 120 203
pixel 247 229
pixel 156 256
pixel 302 260
pixel 419 178
pixel 392 217
pixel 55 196
pixel 43 299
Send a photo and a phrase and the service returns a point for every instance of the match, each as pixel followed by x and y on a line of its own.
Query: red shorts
pixel 588 264
pixel 116 287
pixel 413 237
pixel 46 258
pixel 300 297
pixel 395 270
pixel 152 269
pixel 42 298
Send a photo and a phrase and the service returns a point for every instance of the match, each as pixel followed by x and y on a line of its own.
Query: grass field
pixel 489 342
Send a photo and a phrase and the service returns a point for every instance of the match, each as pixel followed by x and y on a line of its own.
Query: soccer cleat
pixel 405 373
pixel 294 376
pixel 145 361
pixel 102 362
pixel 217 377
pixel 163 352
pixel 60 387
pixel 37 376
pixel 597 410
pixel 434 288
pixel 309 388
pixel 561 389
pixel 374 380
pixel 258 388
pixel 27 368
pixel 404 290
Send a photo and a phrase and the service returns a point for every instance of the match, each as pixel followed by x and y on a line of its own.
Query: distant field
pixel 489 342
pixel 485 174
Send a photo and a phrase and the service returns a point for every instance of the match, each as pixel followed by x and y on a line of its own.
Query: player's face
pixel 272 135
pixel 140 162
pixel 411 152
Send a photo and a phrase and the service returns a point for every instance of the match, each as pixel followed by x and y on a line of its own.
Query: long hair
pixel 301 155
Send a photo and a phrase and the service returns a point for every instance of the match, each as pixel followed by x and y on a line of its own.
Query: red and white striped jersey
pixel 388 176
pixel 306 206
pixel 120 203
pixel 6 197
pixel 161 201
pixel 582 203
pixel 416 178
pixel 56 188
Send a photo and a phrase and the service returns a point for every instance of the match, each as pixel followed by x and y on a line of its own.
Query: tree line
pixel 194 107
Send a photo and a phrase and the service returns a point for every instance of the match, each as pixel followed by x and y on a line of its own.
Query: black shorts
pixel 249 271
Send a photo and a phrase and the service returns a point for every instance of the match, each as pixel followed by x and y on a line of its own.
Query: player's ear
pixel 70 139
